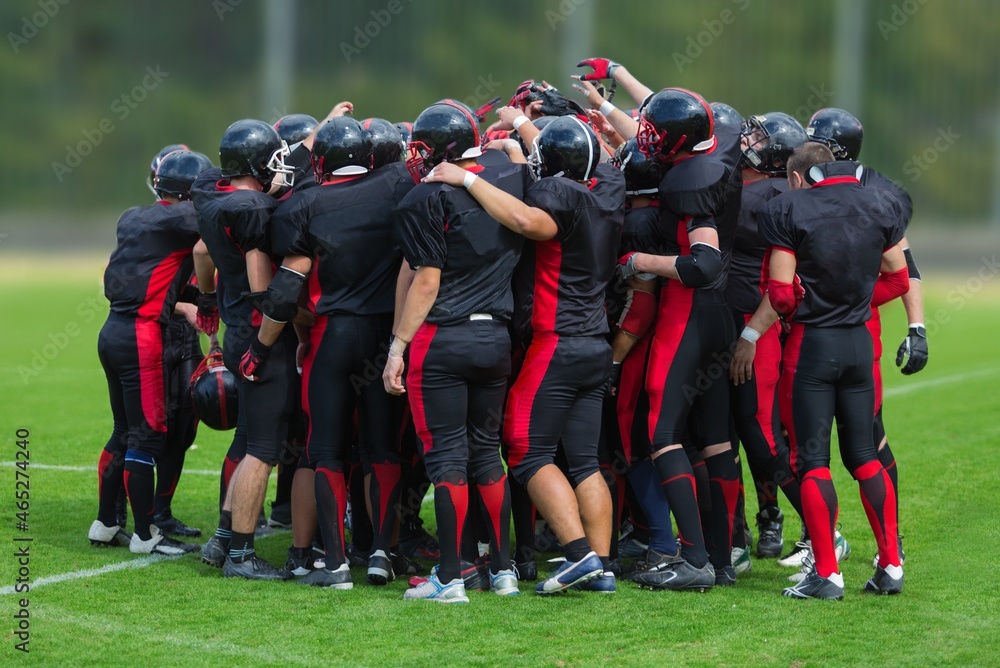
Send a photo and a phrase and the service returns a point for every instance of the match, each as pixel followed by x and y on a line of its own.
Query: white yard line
pixel 141 562
pixel 944 380
pixel 93 469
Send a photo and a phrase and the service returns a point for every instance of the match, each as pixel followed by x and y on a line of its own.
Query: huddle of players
pixel 437 272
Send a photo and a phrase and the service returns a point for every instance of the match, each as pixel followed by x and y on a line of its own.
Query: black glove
pixel 253 359
pixel 914 346
pixel 610 386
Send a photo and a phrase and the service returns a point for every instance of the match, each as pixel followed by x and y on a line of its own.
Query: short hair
pixel 807 156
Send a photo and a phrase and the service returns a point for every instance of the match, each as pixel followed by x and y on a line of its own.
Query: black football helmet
pixel 293 128
pixel 443 132
pixel 405 130
pixel 642 175
pixel 839 130
pixel 253 148
pixel 768 141
pixel 215 393
pixel 565 147
pixel 169 148
pixel 387 143
pixel 673 120
pixel 177 171
pixel 726 117
pixel 540 124
pixel 341 148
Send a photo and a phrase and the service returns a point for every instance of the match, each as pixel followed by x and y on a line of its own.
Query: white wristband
pixel 606 108
pixel 519 121
pixel 398 347
pixel 917 324
pixel 469 179
pixel 750 334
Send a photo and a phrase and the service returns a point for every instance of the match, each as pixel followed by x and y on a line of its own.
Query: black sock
pixel 724 487
pixel 523 519
pixel 678 481
pixel 139 483
pixel 362 531
pixel 225 530
pixel 331 501
pixel 577 549
pixel 451 506
pixel 241 547
pixel 383 489
pixel 110 471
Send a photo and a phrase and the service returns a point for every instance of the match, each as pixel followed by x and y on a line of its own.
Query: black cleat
pixel 813 586
pixel 677 575
pixel 337 579
pixel 356 557
pixel 416 543
pixel 300 561
pixel 725 576
pixel 262 530
pixel 770 523
pixel 403 566
pixel 171 525
pixel 527 571
pixel 214 553
pixel 254 568
pixel 651 560
pixel 885 583
pixel 379 569
pixel 281 516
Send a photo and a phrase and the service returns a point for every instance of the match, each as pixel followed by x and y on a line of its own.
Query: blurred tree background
pixel 94 89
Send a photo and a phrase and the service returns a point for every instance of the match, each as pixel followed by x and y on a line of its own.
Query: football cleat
pixel 356 557
pixel 888 580
pixel 814 586
pixel 171 525
pixel 475 576
pixel 570 573
pixel 677 575
pixel 527 571
pixel 770 523
pixel 630 547
pixel 795 557
pixel 902 555
pixel 651 560
pixel 379 569
pixel 403 566
pixel 214 553
pixel 725 576
pixel 108 536
pixel 300 561
pixel 254 568
pixel 604 583
pixel 504 583
pixel 281 516
pixel 740 559
pixel 432 589
pixel 416 543
pixel 158 543
pixel 841 547
pixel 262 530
pixel 323 577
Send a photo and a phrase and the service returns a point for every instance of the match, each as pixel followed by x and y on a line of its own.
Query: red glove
pixel 252 360
pixel 208 313
pixel 626 269
pixel 603 69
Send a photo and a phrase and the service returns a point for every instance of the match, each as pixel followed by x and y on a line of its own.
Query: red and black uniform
pixel 346 227
pixel 145 274
pixel 827 364
pixel 559 391
pixel 687 379
pixel 234 222
pixel 459 358
pixel 754 404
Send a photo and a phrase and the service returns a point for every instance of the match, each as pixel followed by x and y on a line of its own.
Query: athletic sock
pixel 331 501
pixel 362 531
pixel 241 547
pixel 451 507
pixel 820 509
pixel 383 489
pixel 139 482
pixel 523 519
pixel 616 487
pixel 704 495
pixel 237 451
pixel 576 550
pixel 224 532
pixel 168 473
pixel 110 470
pixel 888 461
pixel 652 499
pixel 678 482
pixel 878 498
pixel 738 537
pixel 494 501
pixel 723 483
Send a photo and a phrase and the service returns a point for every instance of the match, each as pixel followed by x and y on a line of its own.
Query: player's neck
pixel 245 183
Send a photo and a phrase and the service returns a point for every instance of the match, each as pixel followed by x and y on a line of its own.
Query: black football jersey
pixel 573 269
pixel 346 226
pixel 232 223
pixel 838 230
pixel 152 260
pixel 703 190
pixel 640 234
pixel 445 227
pixel 874 179
pixel 744 288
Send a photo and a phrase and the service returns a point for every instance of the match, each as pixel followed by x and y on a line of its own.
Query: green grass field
pixel 942 423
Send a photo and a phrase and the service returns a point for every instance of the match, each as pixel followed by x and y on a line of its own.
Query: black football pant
pixel 181 355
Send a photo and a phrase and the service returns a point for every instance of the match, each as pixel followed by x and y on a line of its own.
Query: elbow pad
pixel 701 267
pixel 639 313
pixel 890 286
pixel 911 265
pixel 280 302
pixel 785 297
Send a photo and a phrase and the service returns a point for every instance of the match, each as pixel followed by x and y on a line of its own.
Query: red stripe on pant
pixel 149 341
pixel 521 401
pixel 789 365
pixel 316 333
pixel 874 325
pixel 676 302
pixel 419 346
pixel 879 500
pixel 820 509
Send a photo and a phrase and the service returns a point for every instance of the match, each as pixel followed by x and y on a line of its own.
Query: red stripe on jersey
pixel 419 346
pixel 521 402
pixel 315 341
pixel 874 325
pixel 159 283
pixel 548 268
pixel 786 386
pixel 149 340
pixel 315 289
pixel 835 180
pixel 224 186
